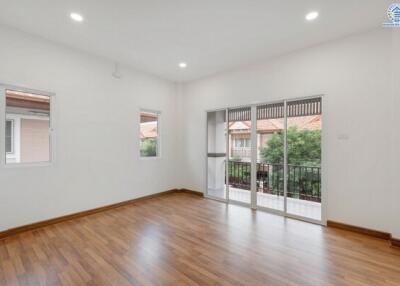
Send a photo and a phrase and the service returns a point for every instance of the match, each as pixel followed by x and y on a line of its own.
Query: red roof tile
pixel 273 125
pixel 148 130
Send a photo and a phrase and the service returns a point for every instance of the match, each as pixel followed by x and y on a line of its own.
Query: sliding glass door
pixel 216 153
pixel 304 126
pixel 239 163
pixel 268 156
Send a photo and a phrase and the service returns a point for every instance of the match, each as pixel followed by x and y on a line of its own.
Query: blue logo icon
pixel 393 13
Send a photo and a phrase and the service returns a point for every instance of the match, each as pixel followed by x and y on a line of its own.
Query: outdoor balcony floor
pixel 297 207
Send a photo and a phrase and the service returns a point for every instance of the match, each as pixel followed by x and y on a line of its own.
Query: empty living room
pixel 188 142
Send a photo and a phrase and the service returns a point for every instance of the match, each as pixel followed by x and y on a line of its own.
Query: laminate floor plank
pixel 183 239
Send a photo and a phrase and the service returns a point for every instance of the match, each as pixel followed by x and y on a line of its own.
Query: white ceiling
pixel 210 35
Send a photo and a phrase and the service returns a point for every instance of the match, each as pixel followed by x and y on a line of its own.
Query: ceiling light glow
pixel 76 17
pixel 183 65
pixel 312 16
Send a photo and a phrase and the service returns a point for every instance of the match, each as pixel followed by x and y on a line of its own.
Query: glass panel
pixel 9 135
pixel 29 137
pixel 149 134
pixel 239 166
pixel 216 128
pixel 270 178
pixel 304 166
pixel 270 137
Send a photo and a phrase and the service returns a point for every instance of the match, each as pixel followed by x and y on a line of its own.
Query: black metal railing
pixel 304 182
pixel 241 152
pixel 239 174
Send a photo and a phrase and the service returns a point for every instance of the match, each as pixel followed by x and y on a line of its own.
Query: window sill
pixel 149 158
pixel 27 165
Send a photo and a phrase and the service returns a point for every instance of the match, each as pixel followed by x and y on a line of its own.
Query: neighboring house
pixel 148 130
pixel 27 128
pixel 148 126
pixel 239 133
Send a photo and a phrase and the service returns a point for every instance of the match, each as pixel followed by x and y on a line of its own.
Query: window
pixel 149 134
pixel 238 142
pixel 242 143
pixel 9 136
pixel 27 132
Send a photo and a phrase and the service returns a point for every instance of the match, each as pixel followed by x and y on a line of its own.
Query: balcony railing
pixel 241 152
pixel 304 182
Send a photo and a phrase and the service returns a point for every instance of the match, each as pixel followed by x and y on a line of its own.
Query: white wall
pixel 359 78
pixel 97 132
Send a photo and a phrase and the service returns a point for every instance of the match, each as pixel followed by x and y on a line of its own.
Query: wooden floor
pixel 183 239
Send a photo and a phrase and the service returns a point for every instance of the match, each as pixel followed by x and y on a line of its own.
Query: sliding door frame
pixel 253 189
pixel 253 152
pixel 226 199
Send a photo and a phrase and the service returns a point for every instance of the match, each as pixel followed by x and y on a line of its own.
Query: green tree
pixel 304 147
pixel 148 147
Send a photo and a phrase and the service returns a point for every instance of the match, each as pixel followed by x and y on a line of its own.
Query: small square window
pixel 149 134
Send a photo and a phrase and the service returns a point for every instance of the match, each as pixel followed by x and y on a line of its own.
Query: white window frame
pixel 3 116
pixel 158 150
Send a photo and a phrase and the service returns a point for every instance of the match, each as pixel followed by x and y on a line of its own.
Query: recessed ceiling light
pixel 312 16
pixel 76 17
pixel 183 65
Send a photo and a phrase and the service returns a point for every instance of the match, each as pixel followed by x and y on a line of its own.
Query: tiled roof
pixel 272 125
pixel 306 122
pixel 148 130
